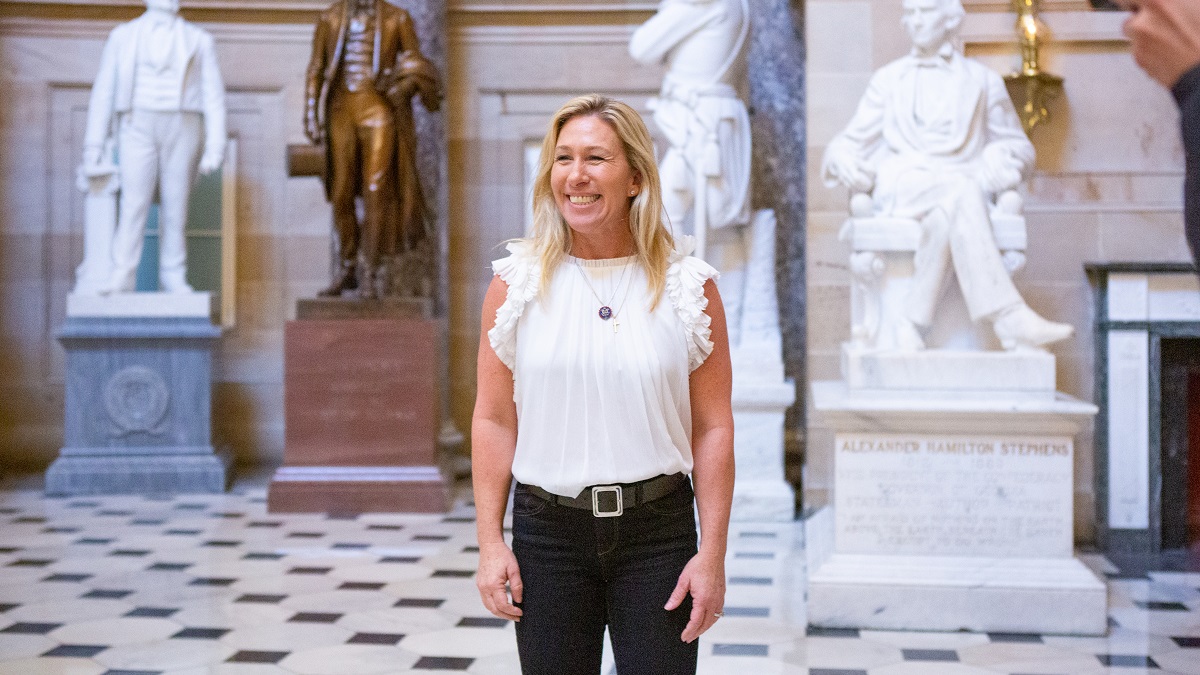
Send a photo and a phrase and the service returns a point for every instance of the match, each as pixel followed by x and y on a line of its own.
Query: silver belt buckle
pixel 616 490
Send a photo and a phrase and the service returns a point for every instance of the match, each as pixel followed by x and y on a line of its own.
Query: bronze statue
pixel 366 66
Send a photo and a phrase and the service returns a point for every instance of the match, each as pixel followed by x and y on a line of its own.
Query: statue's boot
pixel 120 282
pixel 1019 327
pixel 381 280
pixel 346 279
pixel 174 281
pixel 367 289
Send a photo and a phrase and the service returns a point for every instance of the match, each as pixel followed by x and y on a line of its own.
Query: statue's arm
pixel 101 104
pixel 846 160
pixel 312 81
pixel 1009 156
pixel 674 22
pixel 409 42
pixel 414 67
pixel 214 107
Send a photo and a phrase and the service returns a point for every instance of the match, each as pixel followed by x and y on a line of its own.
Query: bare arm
pixel 493 443
pixel 711 387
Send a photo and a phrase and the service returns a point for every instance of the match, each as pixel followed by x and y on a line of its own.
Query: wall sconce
pixel 1031 89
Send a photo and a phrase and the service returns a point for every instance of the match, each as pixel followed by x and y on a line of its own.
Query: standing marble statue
pixel 935 139
pixel 705 175
pixel 159 101
pixel 706 170
pixel 366 67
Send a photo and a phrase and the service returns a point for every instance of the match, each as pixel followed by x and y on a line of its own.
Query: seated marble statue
pixel 935 139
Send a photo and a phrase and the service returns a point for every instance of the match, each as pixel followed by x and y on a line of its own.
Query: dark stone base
pixel 1127 541
pixel 352 490
pixel 166 473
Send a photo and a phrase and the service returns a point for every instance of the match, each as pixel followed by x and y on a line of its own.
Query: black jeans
pixel 582 573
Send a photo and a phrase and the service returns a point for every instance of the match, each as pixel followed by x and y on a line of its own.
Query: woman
pixel 604 379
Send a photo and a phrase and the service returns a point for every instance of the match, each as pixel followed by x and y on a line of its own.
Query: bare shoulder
pixel 497 292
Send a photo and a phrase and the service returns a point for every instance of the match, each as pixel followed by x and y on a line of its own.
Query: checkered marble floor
pixel 213 584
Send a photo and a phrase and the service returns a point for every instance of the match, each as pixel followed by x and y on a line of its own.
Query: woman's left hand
pixel 704 578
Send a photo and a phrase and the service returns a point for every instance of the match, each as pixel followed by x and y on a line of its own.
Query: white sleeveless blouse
pixel 598 401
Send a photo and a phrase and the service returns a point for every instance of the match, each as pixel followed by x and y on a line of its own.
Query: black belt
pixel 606 501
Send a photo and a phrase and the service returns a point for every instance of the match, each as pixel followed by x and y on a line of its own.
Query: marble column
pixel 432 148
pixel 777 116
pixel 433 165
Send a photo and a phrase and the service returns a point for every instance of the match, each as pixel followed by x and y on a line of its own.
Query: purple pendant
pixel 606 312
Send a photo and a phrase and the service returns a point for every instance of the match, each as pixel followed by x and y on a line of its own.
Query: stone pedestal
pixel 760 492
pixel 138 397
pixel 951 512
pixel 1024 375
pixel 361 402
pixel 761 393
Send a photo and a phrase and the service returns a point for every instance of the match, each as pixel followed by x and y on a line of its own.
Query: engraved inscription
pixel 951 495
pixel 136 399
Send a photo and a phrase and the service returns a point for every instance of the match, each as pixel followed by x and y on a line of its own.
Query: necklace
pixel 606 311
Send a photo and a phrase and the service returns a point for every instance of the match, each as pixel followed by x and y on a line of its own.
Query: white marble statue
pixel 706 170
pixel 706 190
pixel 158 99
pixel 936 139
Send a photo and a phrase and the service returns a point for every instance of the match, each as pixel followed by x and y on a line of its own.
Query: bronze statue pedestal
pixel 360 410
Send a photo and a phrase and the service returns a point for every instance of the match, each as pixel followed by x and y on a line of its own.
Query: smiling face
pixel 928 22
pixel 593 183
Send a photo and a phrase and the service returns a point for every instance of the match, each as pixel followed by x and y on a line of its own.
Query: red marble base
pixel 360 414
pixel 345 490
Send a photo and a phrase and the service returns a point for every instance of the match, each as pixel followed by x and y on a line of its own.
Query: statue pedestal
pixel 360 409
pixel 950 512
pixel 761 397
pixel 1018 375
pixel 138 396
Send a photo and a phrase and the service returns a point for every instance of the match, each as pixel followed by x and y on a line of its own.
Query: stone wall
pixel 283 224
pixel 509 66
pixel 1107 185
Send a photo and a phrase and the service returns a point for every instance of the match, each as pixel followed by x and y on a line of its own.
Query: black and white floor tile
pixel 214 585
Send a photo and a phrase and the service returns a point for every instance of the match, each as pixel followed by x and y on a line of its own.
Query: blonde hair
pixel 552 236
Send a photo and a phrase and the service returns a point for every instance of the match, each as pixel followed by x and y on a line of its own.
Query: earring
pixel 633 193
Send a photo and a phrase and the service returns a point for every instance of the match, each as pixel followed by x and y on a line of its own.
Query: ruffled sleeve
pixel 686 276
pixel 521 273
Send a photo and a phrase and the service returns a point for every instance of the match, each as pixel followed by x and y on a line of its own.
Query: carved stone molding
pixel 1046 5
pixel 305 11
pixel 1065 26
pixel 567 35
pixel 464 6
pixel 251 33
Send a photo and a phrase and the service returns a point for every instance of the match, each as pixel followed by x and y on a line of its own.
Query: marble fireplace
pixel 1148 390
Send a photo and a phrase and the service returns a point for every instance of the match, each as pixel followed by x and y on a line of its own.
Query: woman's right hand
pixel 498 575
